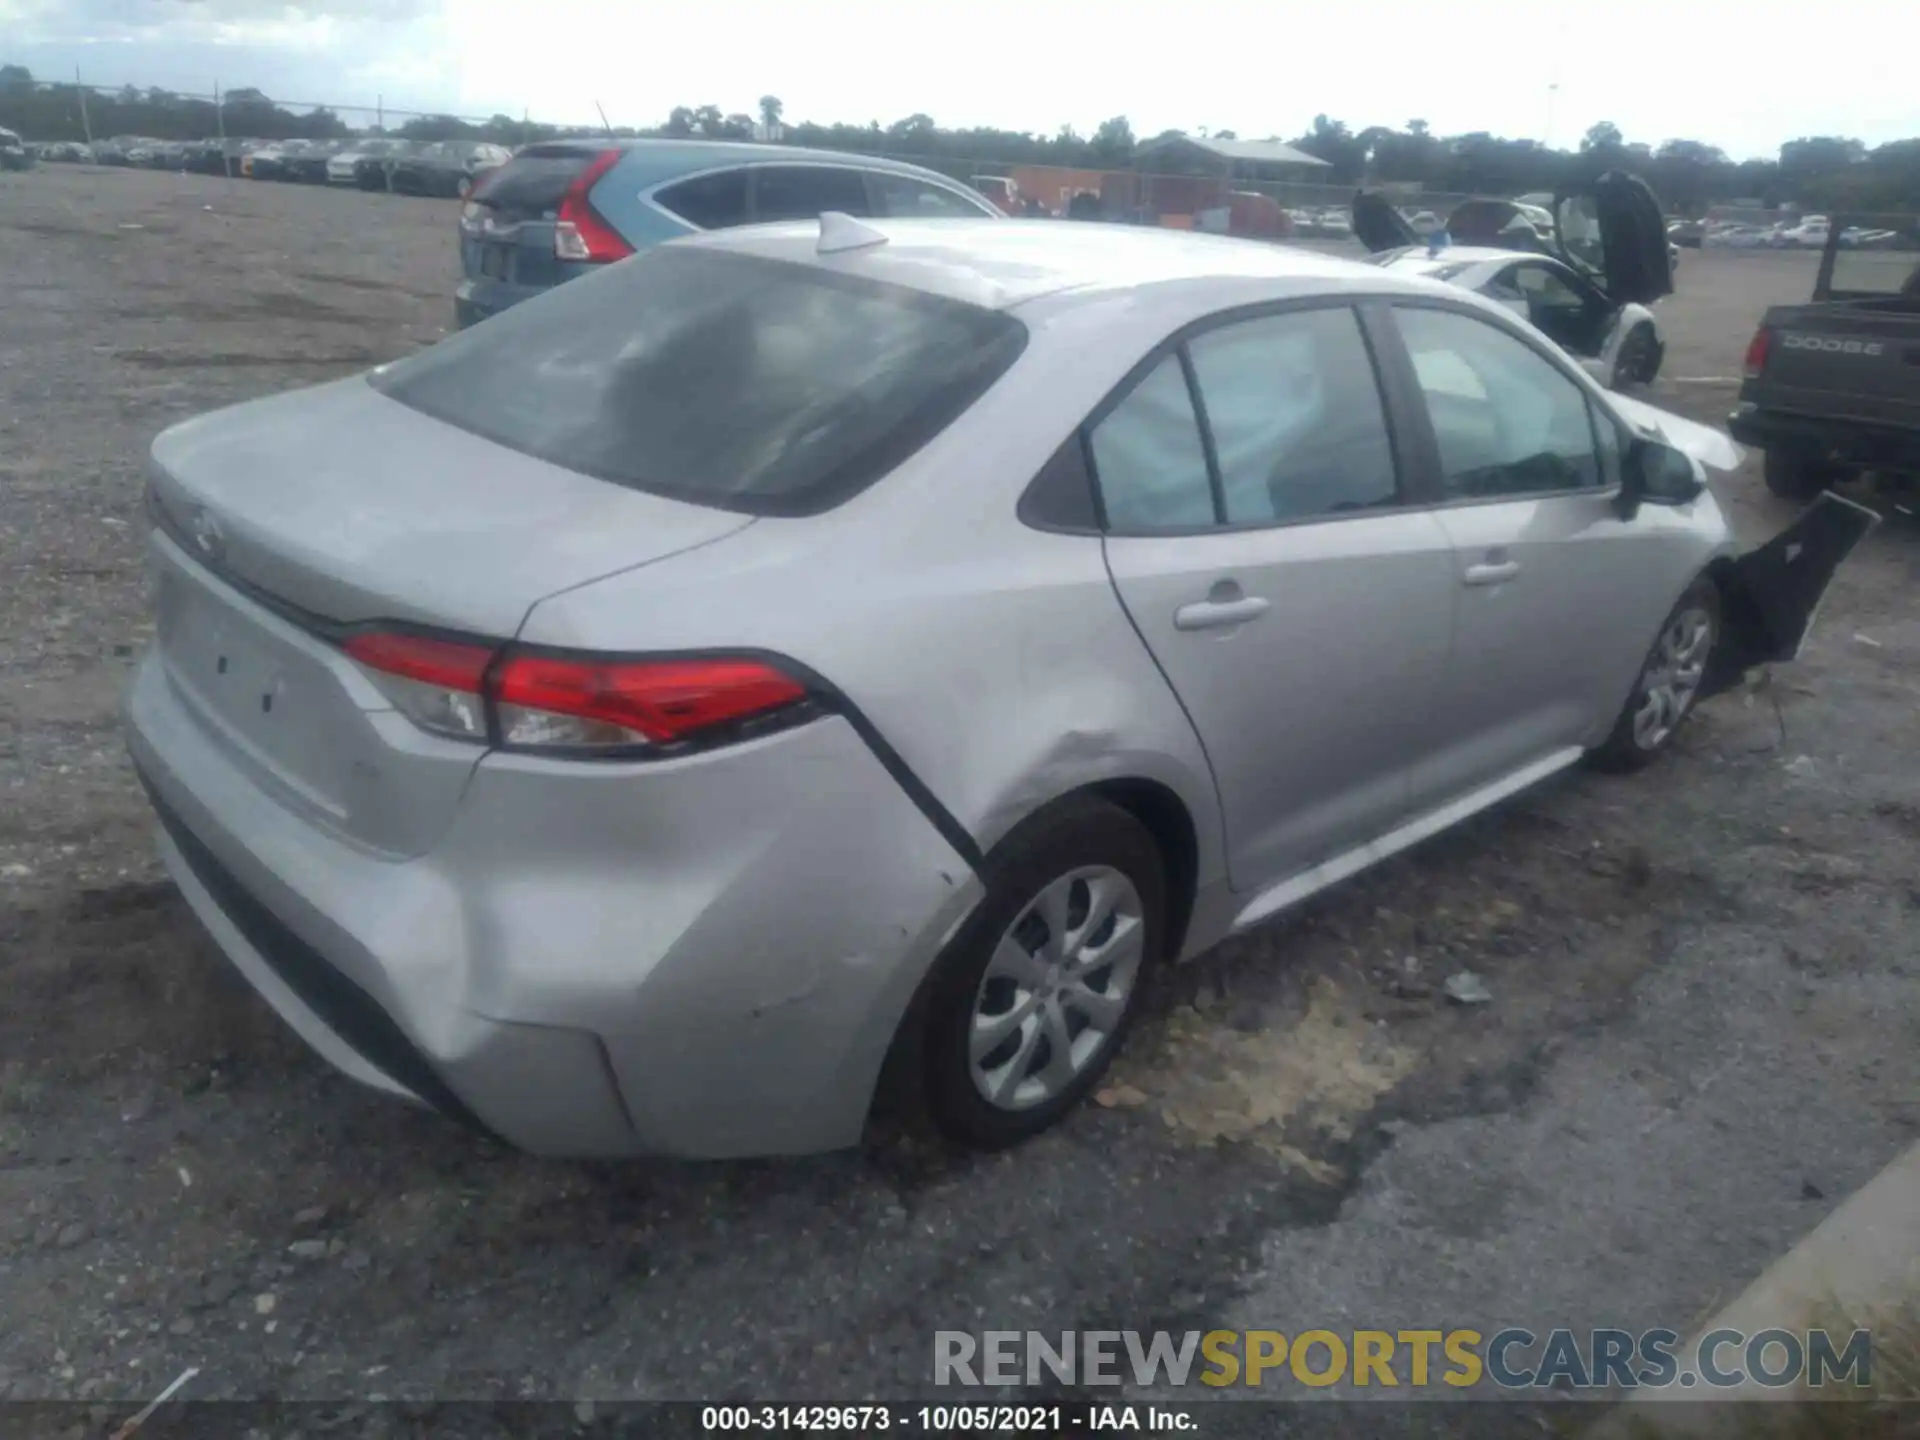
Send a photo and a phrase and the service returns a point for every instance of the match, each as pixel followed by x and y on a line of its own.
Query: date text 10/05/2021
pixel 946 1419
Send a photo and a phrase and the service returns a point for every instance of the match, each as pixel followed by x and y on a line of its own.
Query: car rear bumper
pixel 703 957
pixel 1835 439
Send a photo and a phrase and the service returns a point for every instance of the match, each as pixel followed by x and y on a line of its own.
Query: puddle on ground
pixel 1209 1081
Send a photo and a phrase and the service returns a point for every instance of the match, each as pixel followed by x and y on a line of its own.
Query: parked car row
pixel 1327 224
pixel 1809 232
pixel 409 167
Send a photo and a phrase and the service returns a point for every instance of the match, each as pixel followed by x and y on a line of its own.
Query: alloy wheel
pixel 1056 987
pixel 1672 678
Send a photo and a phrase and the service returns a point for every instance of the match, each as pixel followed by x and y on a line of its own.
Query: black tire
pixel 1628 747
pixel 1795 477
pixel 1079 832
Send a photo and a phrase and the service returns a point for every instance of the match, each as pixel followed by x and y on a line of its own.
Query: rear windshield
pixel 724 379
pixel 533 183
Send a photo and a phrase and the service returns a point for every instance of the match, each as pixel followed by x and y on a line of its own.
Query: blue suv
pixel 557 209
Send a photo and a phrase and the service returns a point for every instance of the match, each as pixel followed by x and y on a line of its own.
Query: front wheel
pixel 1031 1000
pixel 1669 682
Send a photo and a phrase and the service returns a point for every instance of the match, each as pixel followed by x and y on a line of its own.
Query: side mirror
pixel 1653 473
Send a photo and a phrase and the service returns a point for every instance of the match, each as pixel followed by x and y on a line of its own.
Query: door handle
pixel 1492 573
pixel 1217 614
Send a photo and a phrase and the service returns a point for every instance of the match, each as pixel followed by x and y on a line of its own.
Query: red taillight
pixel 579 233
pixel 1757 352
pixel 654 702
pixel 450 664
pixel 434 683
pixel 584 703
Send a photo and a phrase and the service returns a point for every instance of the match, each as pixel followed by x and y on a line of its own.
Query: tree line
pixel 1826 172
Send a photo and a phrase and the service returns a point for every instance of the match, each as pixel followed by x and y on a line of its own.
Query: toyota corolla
pixel 627 724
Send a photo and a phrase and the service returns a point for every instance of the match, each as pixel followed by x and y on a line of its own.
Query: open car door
pixel 1613 230
pixel 1772 592
pixel 1378 225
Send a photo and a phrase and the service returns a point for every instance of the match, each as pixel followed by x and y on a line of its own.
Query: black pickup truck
pixel 1832 389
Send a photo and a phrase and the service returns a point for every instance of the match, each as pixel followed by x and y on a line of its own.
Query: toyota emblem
pixel 208 534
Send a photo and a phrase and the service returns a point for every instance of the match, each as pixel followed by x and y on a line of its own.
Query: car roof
pixel 668 159
pixel 1000 264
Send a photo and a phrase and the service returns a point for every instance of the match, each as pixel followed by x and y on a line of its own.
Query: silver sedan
pixel 627 724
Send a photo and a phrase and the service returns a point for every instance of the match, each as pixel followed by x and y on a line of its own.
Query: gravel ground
pixel 1705 987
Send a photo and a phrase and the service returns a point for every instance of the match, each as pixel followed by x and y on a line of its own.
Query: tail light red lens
pixel 453 664
pixel 1757 352
pixel 578 232
pixel 545 700
pixel 434 683
pixel 522 700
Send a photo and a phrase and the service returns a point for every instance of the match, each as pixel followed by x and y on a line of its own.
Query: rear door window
pixel 1149 459
pixel 724 379
pixel 711 202
pixel 803 192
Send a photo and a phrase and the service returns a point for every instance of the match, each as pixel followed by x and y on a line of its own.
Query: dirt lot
pixel 1705 984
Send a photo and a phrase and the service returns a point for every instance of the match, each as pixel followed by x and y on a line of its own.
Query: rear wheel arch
pixel 1076 841
pixel 1169 824
pixel 1167 819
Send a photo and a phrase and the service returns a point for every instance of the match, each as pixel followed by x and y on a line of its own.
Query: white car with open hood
pixel 1586 279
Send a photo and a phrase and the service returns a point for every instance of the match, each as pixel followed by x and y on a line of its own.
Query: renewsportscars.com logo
pixel 1510 1359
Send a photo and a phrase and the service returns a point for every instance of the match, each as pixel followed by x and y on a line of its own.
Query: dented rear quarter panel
pixel 993 656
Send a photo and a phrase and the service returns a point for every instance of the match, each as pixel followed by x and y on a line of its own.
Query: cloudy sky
pixel 1733 74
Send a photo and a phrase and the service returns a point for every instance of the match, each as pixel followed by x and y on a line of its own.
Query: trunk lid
pixel 284 520
pixel 350 506
pixel 290 712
